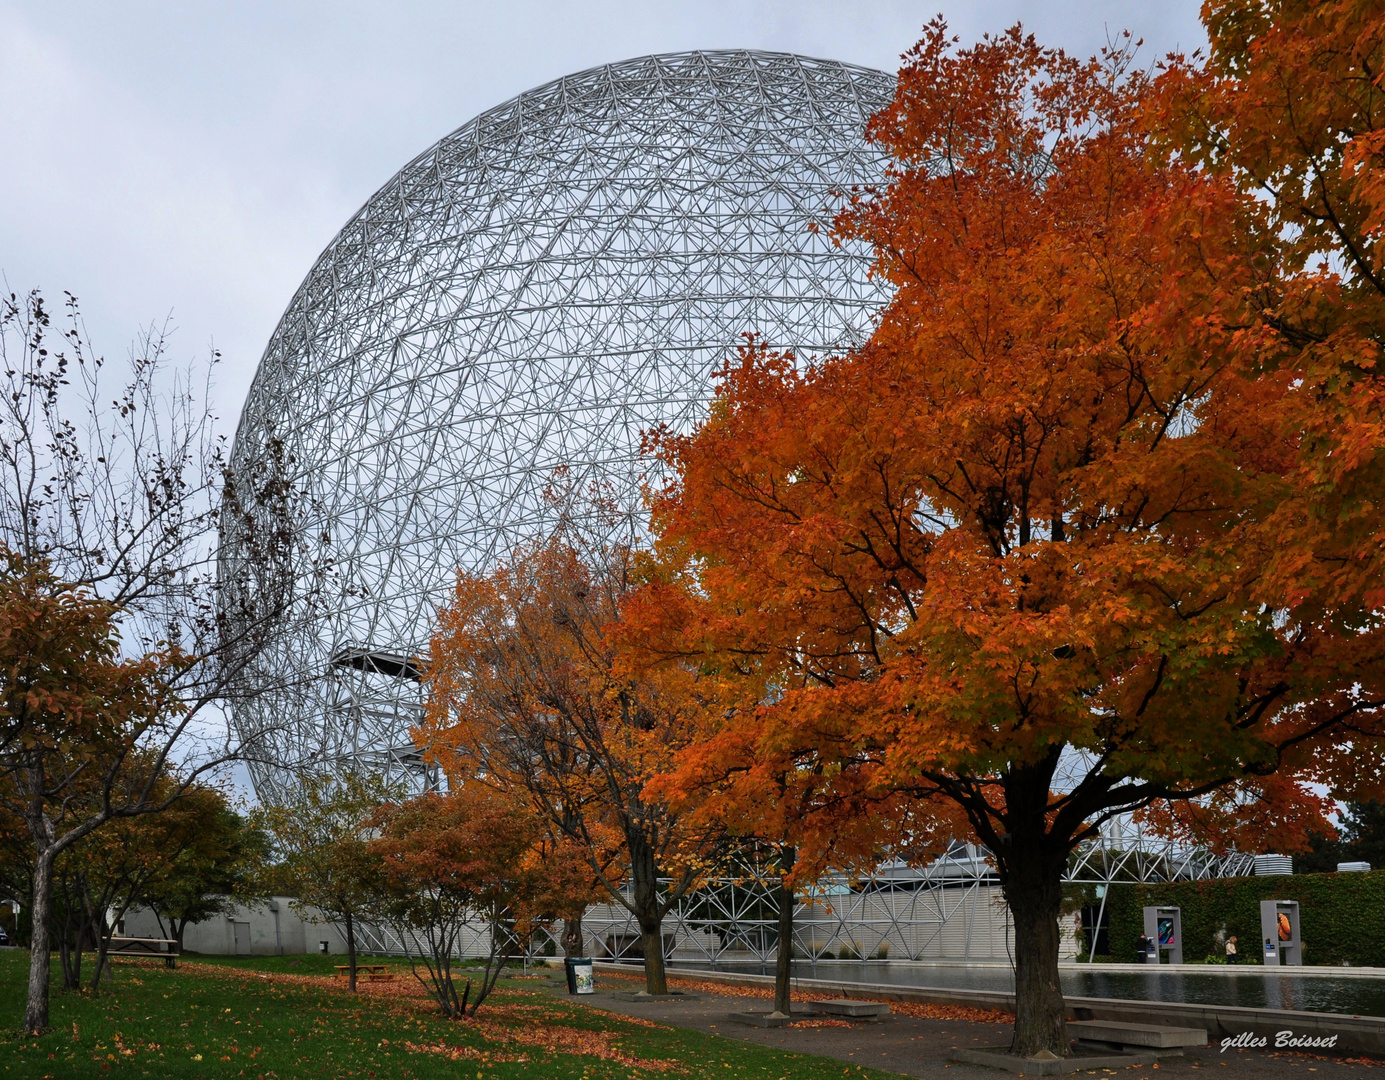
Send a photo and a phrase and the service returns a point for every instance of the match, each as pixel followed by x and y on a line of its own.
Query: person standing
pixel 1232 957
pixel 1142 947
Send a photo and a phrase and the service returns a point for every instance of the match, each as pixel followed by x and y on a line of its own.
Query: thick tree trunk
pixel 652 943
pixel 784 952
pixel 1033 884
pixel 351 952
pixel 572 936
pixel 644 875
pixel 36 1007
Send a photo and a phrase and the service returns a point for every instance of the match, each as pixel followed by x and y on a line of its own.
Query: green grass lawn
pixel 280 1018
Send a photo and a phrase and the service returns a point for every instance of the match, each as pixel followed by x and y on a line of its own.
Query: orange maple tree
pixel 1070 536
pixel 531 691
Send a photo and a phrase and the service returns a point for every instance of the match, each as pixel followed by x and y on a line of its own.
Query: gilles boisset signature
pixel 1248 1040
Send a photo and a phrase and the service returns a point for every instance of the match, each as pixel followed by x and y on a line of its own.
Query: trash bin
pixel 580 976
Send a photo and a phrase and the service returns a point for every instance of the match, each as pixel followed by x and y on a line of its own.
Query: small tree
pixel 217 865
pixel 100 877
pixel 70 705
pixel 114 495
pixel 531 691
pixel 457 861
pixel 322 837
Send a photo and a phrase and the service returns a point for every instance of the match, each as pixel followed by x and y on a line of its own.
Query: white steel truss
pixel 950 909
pixel 506 317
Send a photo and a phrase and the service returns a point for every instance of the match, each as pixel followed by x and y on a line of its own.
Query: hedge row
pixel 1341 916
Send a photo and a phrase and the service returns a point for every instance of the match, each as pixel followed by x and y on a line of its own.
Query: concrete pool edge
pixel 1352 1034
pixel 1228 970
pixel 1232 970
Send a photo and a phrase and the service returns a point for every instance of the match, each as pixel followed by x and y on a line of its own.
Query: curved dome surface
pixel 530 294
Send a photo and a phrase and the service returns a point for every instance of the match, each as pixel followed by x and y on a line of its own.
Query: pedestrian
pixel 1142 947
pixel 1232 957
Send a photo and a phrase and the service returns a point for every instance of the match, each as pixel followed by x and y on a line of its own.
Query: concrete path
pixel 918 1047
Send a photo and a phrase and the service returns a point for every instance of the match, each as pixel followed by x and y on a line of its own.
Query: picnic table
pixel 371 972
pixel 166 948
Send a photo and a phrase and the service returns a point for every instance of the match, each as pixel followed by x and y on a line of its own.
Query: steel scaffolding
pixel 951 908
pixel 501 323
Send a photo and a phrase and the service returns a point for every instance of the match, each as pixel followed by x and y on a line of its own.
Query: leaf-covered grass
pixel 284 1018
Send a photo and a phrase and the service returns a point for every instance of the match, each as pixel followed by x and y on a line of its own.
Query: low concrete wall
pixel 1230 971
pixel 1353 1034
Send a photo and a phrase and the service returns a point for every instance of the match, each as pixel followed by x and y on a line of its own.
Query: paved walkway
pixel 918 1047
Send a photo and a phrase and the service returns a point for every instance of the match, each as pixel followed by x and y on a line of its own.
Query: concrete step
pixel 852 1010
pixel 999 1057
pixel 1120 1033
pixel 766 1019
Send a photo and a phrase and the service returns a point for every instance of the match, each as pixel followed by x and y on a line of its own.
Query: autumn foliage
pixel 471 860
pixel 1091 524
pixel 76 720
pixel 534 691
pixel 1090 527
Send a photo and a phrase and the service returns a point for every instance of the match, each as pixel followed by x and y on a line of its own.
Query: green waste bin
pixel 581 977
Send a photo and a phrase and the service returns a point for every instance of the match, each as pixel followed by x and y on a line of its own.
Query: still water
pixel 1352 995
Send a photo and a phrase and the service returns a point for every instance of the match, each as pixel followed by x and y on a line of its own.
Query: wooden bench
pixel 370 972
pixel 164 948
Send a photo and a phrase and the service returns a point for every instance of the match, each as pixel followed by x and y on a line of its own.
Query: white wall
pixel 273 928
pixel 957 924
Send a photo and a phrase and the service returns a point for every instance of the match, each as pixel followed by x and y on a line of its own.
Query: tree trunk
pixel 572 936
pixel 1032 878
pixel 103 948
pixel 36 1007
pixel 648 915
pixel 100 937
pixel 69 958
pixel 652 943
pixel 101 967
pixel 351 951
pixel 70 930
pixel 783 952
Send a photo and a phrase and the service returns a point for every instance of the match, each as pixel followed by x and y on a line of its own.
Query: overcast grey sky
pixel 194 158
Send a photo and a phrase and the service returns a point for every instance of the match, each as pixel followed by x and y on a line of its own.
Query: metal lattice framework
pixel 950 909
pixel 521 302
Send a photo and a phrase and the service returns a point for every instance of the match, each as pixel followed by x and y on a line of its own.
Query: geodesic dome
pixel 527 296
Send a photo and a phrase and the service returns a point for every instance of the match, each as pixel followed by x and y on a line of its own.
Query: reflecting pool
pixel 1354 995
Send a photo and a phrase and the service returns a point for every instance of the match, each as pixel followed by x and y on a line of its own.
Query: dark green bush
pixel 1340 915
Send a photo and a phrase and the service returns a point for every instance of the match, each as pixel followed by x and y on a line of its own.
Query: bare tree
pixel 112 492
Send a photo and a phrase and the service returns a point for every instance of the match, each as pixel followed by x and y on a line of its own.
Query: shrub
pixel 1335 912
